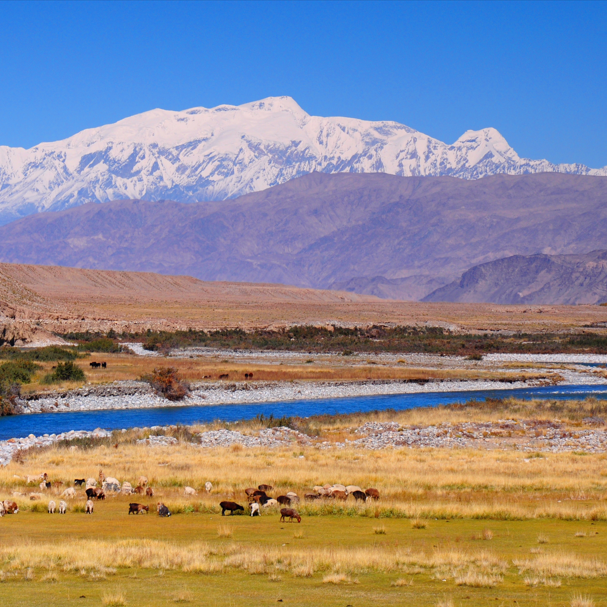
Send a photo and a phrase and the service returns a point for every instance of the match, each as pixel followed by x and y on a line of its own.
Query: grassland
pixel 461 527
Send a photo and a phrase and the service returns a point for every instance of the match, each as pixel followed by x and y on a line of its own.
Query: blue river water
pixel 55 423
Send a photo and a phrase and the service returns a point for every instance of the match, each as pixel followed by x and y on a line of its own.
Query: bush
pixel 167 382
pixel 103 344
pixel 67 371
pixel 9 399
pixel 48 354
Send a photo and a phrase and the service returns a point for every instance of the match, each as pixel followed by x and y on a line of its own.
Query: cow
pixel 94 365
pixel 231 506
pixel 359 496
pixel 149 492
pixel 104 365
pixel 51 507
pixel 284 500
pixel 290 514
pixel 162 509
pixel 255 511
pixel 62 507
pixel 372 493
pixel 248 376
pixel 138 509
pixel 89 507
pixel 78 482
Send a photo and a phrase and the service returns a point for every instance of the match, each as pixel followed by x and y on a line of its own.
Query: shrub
pixel 46 354
pixel 167 382
pixel 103 344
pixel 67 371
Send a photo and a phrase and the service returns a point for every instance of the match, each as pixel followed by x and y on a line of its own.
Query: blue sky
pixel 535 71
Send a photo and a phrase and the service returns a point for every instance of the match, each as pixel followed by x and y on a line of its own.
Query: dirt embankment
pixel 36 301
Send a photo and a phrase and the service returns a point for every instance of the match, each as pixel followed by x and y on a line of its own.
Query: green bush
pixel 19 371
pixel 67 371
pixel 103 344
pixel 47 354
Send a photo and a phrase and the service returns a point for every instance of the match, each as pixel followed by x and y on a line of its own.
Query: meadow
pixel 452 527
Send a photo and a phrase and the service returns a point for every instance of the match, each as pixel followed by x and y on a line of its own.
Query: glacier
pixel 219 153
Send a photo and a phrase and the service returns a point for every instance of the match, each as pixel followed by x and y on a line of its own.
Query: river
pixel 55 423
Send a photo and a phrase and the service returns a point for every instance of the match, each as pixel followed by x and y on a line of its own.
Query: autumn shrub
pixel 167 382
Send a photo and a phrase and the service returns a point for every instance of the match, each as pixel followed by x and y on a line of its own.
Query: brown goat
pixel 290 514
pixel 372 493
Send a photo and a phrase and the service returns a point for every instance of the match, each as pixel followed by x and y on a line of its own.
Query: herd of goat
pixel 257 497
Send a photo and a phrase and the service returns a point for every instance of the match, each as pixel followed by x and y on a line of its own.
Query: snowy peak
pixel 218 153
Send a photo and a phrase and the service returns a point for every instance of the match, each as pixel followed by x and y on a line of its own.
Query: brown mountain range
pixel 400 237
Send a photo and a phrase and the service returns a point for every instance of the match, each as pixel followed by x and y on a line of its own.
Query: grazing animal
pixel 224 376
pixel 78 482
pixel 95 493
pixel 310 497
pixel 111 484
pixel 320 490
pixel 162 509
pixel 91 482
pixel 44 485
pixel 57 484
pixel 35 496
pixel 208 486
pixel 270 503
pixel 94 365
pixel 89 507
pixel 359 496
pixel 143 481
pixel 190 491
pixel 372 493
pixel 139 490
pixel 290 514
pixel 259 499
pixel 352 489
pixel 127 488
pixel 293 496
pixel 250 490
pixel 90 492
pixel 337 488
pixel 231 506
pixel 339 495
pixel 51 507
pixel 104 365
pixel 258 492
pixel 149 492
pixel 10 507
pixel 62 507
pixel 265 488
pixel 255 511
pixel 284 500
pixel 138 509
pixel 35 479
pixel 2 510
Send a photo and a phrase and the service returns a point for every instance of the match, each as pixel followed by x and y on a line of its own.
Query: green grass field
pixel 112 558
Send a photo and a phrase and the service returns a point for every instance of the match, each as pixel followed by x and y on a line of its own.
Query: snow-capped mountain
pixel 223 152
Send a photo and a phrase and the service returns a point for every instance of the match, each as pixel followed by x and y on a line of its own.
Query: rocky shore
pixel 139 395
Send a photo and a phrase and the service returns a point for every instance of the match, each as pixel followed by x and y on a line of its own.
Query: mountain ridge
pixel 205 154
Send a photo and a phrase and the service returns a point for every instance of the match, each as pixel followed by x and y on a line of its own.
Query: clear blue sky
pixel 535 71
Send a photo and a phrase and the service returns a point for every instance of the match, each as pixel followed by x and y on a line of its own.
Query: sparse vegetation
pixel 67 371
pixel 167 382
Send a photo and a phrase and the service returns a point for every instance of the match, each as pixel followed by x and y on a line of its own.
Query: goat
pixel 78 482
pixel 138 508
pixel 51 507
pixel 284 500
pixel 255 511
pixel 359 495
pixel 372 493
pixel 149 492
pixel 290 514
pixel 89 507
pixel 62 507
pixel 208 486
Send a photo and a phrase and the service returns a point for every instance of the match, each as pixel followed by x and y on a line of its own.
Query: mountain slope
pixel 325 230
pixel 533 279
pixel 219 153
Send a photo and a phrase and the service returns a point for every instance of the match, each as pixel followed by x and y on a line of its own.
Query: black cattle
pixel 95 365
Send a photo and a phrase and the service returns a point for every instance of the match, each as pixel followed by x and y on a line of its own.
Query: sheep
pixel 90 482
pixel 69 493
pixel 89 507
pixel 255 511
pixel 319 490
pixel 231 506
pixel 139 490
pixel 2 510
pixel 293 497
pixel 337 488
pixel 111 484
pixel 339 495
pixel 359 495
pixel 250 490
pixel 265 488
pixel 284 500
pixel 270 503
pixel 208 486
pixel 143 481
pixel 127 488
pixel 190 491
pixel 51 507
pixel 372 493
pixel 352 489
pixel 62 507
pixel 290 514
pixel 44 485
pixel 310 497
